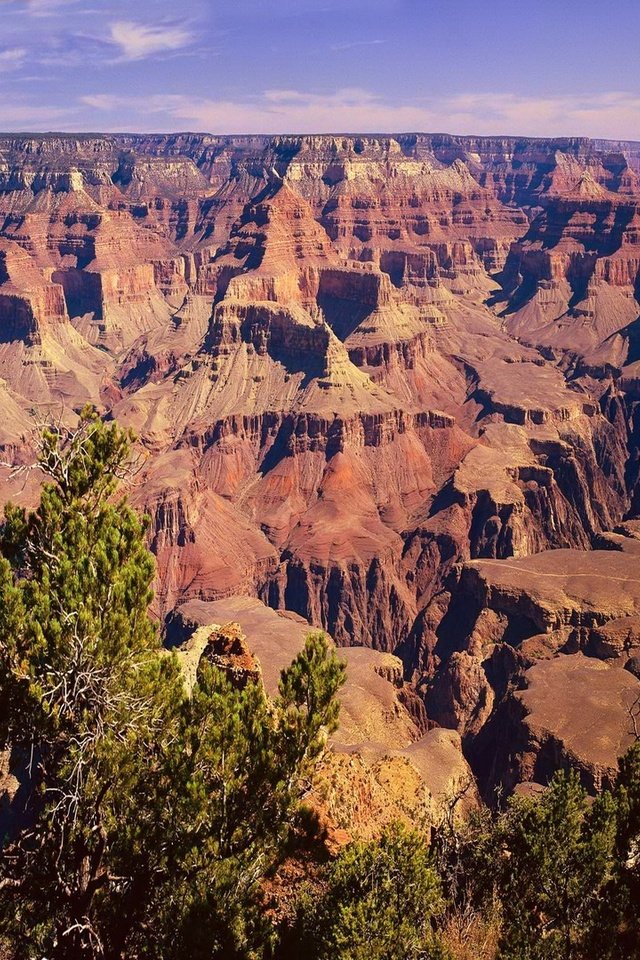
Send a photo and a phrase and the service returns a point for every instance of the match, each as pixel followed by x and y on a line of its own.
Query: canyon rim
pixel 387 384
pixel 382 395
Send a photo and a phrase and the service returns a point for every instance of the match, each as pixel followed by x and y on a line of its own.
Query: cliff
pixel 357 366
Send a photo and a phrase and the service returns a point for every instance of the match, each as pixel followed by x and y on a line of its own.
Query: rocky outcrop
pixel 570 713
pixel 390 383
pixel 532 657
pixel 382 766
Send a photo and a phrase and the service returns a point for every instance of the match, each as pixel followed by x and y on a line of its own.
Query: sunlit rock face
pixel 359 368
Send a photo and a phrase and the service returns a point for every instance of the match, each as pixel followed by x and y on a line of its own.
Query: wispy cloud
pixel 137 41
pixel 12 58
pixel 39 8
pixel 46 8
pixel 614 114
pixel 350 44
pixel 29 116
pixel 102 101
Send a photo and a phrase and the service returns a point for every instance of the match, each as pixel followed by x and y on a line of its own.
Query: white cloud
pixel 39 8
pixel 27 117
pixel 138 40
pixel 614 115
pixel 45 8
pixel 12 58
pixel 102 101
pixel 350 44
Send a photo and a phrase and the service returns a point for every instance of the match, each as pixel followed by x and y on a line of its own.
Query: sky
pixel 510 67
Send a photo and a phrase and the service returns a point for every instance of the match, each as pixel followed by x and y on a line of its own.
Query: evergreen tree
pixel 618 920
pixel 83 690
pixel 145 818
pixel 551 860
pixel 380 901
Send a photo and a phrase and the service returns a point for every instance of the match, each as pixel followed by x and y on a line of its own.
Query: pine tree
pixel 380 901
pixel 82 686
pixel 552 858
pixel 145 818
pixel 618 922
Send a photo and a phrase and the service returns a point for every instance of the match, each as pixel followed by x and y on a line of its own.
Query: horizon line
pixel 297 135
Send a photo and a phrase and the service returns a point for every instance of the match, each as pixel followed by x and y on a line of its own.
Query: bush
pixel 146 818
pixel 380 902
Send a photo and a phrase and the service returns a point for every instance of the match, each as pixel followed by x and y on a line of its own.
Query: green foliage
pixel 552 860
pixel 555 875
pixel 307 703
pixel 145 818
pixel 231 799
pixel 379 903
pixel 81 683
pixel 618 923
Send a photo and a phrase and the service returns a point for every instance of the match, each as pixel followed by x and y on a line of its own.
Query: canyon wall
pixel 389 383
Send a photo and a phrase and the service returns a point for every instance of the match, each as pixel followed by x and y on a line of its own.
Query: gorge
pixel 389 384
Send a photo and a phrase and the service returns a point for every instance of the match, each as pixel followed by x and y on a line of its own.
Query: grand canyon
pixel 385 385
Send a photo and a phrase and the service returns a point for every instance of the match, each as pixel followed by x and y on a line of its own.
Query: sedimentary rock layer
pixel 390 383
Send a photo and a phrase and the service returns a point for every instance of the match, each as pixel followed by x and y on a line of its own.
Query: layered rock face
pixel 366 374
pixel 540 662
pixel 383 763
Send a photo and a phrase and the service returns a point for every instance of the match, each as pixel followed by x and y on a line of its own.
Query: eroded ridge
pixel 388 383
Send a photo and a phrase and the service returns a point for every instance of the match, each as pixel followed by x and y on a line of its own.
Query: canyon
pixel 386 385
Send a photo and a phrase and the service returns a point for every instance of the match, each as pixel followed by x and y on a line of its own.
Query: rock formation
pixel 390 384
pixel 382 765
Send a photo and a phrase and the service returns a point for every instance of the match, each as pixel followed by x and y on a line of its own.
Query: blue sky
pixel 538 68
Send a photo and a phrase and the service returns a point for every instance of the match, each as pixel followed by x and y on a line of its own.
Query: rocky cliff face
pixel 385 762
pixel 365 373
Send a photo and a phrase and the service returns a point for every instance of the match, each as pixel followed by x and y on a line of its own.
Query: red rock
pixel 387 382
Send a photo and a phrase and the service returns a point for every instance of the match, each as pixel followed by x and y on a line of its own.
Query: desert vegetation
pixel 142 819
